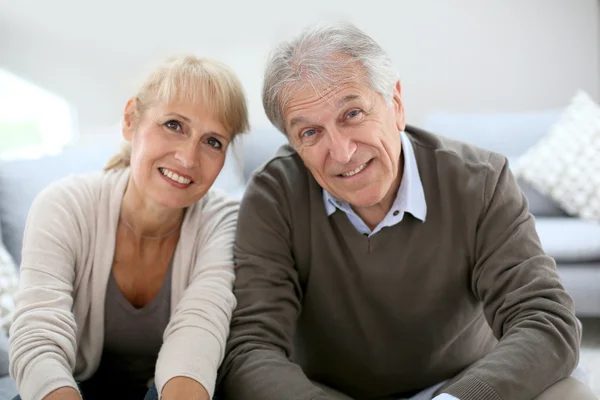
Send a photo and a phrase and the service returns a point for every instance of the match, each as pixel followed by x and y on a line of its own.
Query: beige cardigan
pixel 58 329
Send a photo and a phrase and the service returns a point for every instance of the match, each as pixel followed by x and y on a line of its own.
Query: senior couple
pixel 368 259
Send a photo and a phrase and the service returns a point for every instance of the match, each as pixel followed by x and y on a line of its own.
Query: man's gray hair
pixel 319 57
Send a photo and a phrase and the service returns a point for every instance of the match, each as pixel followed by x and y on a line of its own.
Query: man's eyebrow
pixel 297 120
pixel 343 100
pixel 346 99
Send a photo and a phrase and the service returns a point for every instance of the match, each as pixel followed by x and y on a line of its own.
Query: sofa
pixel 574 244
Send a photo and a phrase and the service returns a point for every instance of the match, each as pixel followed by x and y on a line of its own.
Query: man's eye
pixel 214 143
pixel 352 114
pixel 309 133
pixel 173 125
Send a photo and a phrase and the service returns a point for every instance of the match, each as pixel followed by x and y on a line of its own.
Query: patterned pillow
pixel 565 164
pixel 9 282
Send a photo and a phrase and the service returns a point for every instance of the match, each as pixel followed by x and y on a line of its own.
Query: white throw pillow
pixel 565 163
pixel 9 282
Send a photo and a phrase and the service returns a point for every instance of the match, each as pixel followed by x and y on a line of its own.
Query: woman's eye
pixel 173 125
pixel 352 114
pixel 215 143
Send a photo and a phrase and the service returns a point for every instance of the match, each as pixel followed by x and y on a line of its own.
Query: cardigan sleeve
pixel 195 338
pixel 42 346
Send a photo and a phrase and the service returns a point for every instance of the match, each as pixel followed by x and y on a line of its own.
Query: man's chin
pixel 363 201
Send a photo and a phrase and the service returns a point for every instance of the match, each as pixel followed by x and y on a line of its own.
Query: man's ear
pixel 399 107
pixel 129 119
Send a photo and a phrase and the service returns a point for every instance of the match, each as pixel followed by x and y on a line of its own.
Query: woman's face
pixel 177 151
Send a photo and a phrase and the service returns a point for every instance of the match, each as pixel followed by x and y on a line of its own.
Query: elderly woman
pixel 127 274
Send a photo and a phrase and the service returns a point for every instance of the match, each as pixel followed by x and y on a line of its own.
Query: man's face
pixel 348 137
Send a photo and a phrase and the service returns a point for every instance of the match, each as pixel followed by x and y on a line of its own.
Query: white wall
pixel 461 55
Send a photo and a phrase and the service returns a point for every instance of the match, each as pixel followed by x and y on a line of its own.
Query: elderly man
pixel 378 261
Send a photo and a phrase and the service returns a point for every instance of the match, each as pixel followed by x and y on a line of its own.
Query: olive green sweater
pixel 468 295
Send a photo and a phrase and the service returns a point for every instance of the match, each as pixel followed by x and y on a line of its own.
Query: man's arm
pixel 257 363
pixel 523 298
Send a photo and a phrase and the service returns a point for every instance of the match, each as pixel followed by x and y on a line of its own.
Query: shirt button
pixel 396 213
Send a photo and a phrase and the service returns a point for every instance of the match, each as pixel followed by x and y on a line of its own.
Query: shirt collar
pixel 410 196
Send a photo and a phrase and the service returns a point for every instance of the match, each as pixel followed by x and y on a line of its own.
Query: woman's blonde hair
pixel 191 79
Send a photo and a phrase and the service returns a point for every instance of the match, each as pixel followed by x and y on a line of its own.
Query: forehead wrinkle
pixel 327 97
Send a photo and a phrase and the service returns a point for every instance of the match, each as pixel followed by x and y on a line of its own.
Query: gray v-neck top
pixel 132 339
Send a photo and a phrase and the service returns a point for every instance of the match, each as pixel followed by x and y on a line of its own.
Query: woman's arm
pixel 182 387
pixel 196 336
pixel 64 393
pixel 42 346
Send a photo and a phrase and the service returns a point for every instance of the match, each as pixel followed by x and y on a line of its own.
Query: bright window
pixel 33 121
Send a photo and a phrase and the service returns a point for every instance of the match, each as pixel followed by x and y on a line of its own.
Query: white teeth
pixel 173 176
pixel 354 171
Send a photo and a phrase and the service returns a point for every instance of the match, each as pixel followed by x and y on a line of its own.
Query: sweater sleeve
pixel 523 298
pixel 42 347
pixel 196 336
pixel 258 365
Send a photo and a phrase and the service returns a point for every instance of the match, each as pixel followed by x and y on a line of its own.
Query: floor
pixel 590 351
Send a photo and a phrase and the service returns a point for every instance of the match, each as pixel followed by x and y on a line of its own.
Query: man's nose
pixel 342 148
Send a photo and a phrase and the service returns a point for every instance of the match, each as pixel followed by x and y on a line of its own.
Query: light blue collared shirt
pixel 410 197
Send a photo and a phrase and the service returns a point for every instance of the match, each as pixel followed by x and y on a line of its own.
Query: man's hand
pixel 183 388
pixel 445 396
pixel 64 393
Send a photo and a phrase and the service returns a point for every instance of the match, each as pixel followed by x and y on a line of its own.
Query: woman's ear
pixel 129 119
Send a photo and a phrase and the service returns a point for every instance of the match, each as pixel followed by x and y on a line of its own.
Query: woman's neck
pixel 147 219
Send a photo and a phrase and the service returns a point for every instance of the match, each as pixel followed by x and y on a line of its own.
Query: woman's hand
pixel 183 388
pixel 64 393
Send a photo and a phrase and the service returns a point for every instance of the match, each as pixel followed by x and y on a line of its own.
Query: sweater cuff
pixel 196 357
pixel 470 388
pixel 42 378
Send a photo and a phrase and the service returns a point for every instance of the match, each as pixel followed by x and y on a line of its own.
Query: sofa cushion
pixel 565 163
pixel 259 146
pixel 9 283
pixel 22 180
pixel 509 134
pixel 8 388
pixel 540 205
pixel 569 240
pixel 3 354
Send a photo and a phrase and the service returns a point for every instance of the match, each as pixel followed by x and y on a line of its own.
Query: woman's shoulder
pixel 215 201
pixel 215 209
pixel 80 193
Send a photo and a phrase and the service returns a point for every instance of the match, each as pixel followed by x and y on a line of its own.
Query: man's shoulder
pixel 285 169
pixel 453 156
